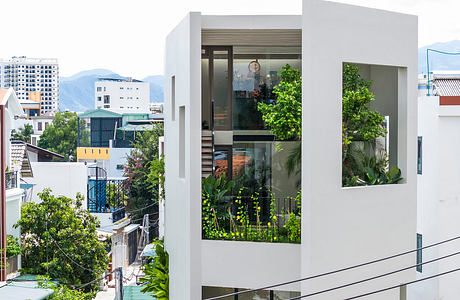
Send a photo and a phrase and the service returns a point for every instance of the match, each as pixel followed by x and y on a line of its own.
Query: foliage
pixel 156 176
pixel 156 278
pixel 116 196
pixel 284 116
pixel 60 239
pixel 390 177
pixel 144 166
pixel 24 134
pixel 244 220
pixel 62 292
pixel 359 121
pixel 13 247
pixel 61 135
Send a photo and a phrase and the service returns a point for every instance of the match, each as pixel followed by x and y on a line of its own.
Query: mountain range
pixel 76 93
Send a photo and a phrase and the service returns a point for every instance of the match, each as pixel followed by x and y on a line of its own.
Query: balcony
pixel 11 180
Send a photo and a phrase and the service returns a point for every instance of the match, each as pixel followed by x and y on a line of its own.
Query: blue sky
pixel 128 36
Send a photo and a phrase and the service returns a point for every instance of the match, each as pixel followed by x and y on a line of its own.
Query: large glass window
pixel 255 74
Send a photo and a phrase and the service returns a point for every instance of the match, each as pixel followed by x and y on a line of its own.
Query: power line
pixel 335 271
pixel 403 284
pixel 374 277
pixel 69 257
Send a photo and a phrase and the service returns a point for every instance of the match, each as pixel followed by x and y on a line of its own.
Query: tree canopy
pixel 61 135
pixel 144 170
pixel 59 239
pixel 284 116
pixel 23 134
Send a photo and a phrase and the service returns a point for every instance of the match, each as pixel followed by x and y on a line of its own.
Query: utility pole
pixel 120 285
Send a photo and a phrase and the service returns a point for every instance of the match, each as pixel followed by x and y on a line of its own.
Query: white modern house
pixel 216 68
pixel 438 192
pixel 122 95
pixel 27 76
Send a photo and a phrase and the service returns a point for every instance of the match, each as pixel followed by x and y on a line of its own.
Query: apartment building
pixel 122 95
pixel 27 76
pixel 217 69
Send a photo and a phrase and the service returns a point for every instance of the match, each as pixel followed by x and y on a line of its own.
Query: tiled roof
pixel 20 159
pixel 446 86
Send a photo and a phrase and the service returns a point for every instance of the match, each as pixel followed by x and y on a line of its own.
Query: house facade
pixel 217 70
pixel 437 190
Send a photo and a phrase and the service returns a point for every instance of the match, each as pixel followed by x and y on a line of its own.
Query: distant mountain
pixel 440 62
pixel 76 93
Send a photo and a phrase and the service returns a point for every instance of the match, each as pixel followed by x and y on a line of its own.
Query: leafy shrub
pixel 156 278
pixel 13 247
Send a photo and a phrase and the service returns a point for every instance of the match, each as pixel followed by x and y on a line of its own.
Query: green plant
pixel 61 135
pixel 62 292
pixel 60 239
pixel 156 278
pixel 144 169
pixel 284 116
pixel 293 226
pixel 13 247
pixel 23 134
pixel 391 177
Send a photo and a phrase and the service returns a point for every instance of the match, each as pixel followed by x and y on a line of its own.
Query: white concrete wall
pixel 346 226
pixel 13 210
pixel 249 264
pixel 63 178
pixel 439 196
pixel 183 187
pixel 125 97
pixel 117 157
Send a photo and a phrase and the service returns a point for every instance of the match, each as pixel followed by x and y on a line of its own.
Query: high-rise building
pixel 29 75
pixel 122 95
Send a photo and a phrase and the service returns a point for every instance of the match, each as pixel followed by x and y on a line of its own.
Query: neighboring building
pixel 11 193
pixel 39 124
pixel 122 95
pixel 156 107
pixel 30 75
pixel 217 69
pixel 438 191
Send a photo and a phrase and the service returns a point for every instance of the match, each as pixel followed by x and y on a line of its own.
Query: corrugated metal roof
pixel 99 113
pixel 446 87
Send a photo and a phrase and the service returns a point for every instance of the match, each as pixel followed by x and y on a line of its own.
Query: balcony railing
pixel 11 180
pixel 118 214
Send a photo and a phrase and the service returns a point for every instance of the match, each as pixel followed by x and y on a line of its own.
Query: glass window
pixel 419 252
pixel 419 155
pixel 255 74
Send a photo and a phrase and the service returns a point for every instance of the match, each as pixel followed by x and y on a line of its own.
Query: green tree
pixel 156 272
pixel 359 121
pixel 59 238
pixel 284 117
pixel 144 169
pixel 23 134
pixel 61 135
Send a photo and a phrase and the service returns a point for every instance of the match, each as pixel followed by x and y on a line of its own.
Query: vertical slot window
pixel 182 141
pixel 419 252
pixel 419 155
pixel 173 98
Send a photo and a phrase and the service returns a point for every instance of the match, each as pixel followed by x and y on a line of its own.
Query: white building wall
pixel 63 178
pixel 438 197
pixel 346 226
pixel 124 96
pixel 117 157
pixel 183 158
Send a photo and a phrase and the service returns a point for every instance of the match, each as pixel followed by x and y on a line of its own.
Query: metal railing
pixel 118 214
pixel 11 180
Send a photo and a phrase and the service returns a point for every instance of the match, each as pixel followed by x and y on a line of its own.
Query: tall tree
pixel 23 134
pixel 144 170
pixel 59 239
pixel 61 135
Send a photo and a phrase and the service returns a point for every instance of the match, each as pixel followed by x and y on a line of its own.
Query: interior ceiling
pixel 251 37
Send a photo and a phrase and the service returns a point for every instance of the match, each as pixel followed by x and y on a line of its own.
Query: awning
pixel 148 251
pixel 24 287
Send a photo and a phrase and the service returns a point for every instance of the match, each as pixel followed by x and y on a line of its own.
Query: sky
pixel 128 37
